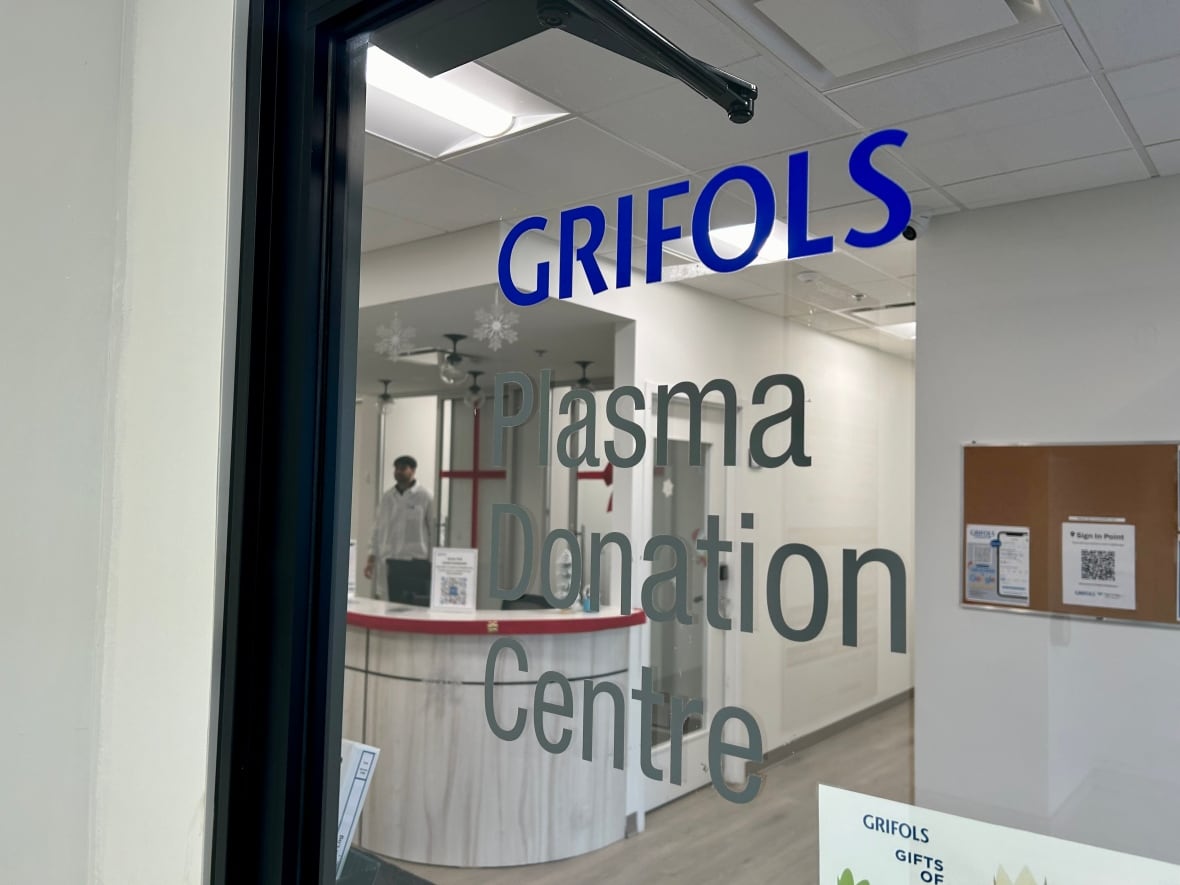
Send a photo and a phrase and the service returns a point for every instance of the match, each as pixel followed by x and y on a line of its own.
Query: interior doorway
pixel 688 661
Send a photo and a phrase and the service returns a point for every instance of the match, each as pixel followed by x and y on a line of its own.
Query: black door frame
pixel 279 697
pixel 274 778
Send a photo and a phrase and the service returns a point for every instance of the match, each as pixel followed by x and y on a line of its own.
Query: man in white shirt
pixel 403 535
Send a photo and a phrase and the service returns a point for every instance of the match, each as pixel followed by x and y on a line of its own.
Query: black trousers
pixel 408 581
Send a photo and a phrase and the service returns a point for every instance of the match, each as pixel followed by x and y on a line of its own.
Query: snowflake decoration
pixel 497 326
pixel 395 340
pixel 668 488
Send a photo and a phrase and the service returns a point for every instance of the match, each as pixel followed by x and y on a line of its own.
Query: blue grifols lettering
pixel 578 244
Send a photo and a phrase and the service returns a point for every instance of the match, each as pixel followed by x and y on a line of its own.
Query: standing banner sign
pixel 356 773
pixel 868 841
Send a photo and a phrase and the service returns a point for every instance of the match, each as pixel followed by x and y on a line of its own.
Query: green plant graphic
pixel 846 878
pixel 1024 878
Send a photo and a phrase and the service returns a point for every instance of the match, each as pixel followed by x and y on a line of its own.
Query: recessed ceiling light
pixel 458 110
pixel 731 241
pixel 908 331
pixel 384 72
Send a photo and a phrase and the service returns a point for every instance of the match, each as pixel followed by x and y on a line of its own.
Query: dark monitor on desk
pixel 528 601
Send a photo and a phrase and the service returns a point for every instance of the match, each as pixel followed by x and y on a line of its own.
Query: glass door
pixel 687 660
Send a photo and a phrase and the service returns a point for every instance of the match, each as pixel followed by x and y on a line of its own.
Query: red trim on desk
pixel 540 626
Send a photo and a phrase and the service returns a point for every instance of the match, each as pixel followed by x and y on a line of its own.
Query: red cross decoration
pixel 476 475
pixel 607 475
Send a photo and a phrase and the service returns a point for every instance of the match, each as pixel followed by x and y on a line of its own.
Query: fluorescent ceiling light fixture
pixel 739 236
pixel 732 241
pixel 455 111
pixel 908 331
pixel 384 72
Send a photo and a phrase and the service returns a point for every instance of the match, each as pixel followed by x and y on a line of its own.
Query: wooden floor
pixel 703 838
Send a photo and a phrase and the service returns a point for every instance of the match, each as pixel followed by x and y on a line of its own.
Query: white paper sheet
pixel 997 564
pixel 1098 564
pixel 453 578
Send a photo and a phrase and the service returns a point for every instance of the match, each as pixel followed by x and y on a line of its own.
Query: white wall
pixel 164 481
pixel 114 223
pixel 57 241
pixel 1065 313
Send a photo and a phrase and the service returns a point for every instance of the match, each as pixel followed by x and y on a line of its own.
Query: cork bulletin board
pixel 1088 530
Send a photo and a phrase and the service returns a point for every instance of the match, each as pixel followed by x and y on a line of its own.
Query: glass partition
pixel 657 371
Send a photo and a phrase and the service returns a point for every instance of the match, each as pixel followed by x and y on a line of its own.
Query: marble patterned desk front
pixel 446 790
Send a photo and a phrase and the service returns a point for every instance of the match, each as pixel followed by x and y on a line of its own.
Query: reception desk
pixel 446 790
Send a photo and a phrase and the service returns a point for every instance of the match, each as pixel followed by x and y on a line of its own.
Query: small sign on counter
pixel 453 579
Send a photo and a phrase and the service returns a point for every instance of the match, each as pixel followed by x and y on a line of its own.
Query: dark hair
pixel 407 461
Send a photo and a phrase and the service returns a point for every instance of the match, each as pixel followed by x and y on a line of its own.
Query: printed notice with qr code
pixel 453 577
pixel 1098 564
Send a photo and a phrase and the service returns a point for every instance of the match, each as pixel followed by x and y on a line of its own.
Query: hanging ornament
pixel 496 327
pixel 474 396
pixel 395 340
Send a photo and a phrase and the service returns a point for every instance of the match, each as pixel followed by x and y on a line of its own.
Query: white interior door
pixel 687 660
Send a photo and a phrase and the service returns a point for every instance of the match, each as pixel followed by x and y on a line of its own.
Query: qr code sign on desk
pixel 1098 565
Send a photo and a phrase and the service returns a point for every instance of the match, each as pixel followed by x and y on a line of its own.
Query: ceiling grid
pixel 1020 99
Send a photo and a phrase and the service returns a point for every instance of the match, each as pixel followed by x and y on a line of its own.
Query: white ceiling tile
pixel 931 202
pixel 1166 157
pixel 696 30
pixel 851 268
pixel 880 341
pixel 780 305
pixel 830 183
pixel 731 207
pixel 846 36
pixel 1151 95
pixel 844 267
pixel 383 158
pixel 1057 178
pixel 805 314
pixel 575 74
pixel 442 197
pixel 1040 60
pixel 895 259
pixel 728 285
pixel 1129 31
pixel 841 280
pixel 566 163
pixel 837 221
pixel 887 291
pixel 1036 128
pixel 871 215
pixel 826 321
pixel 380 229
pixel 692 131
pixel 889 316
pixel 777 277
